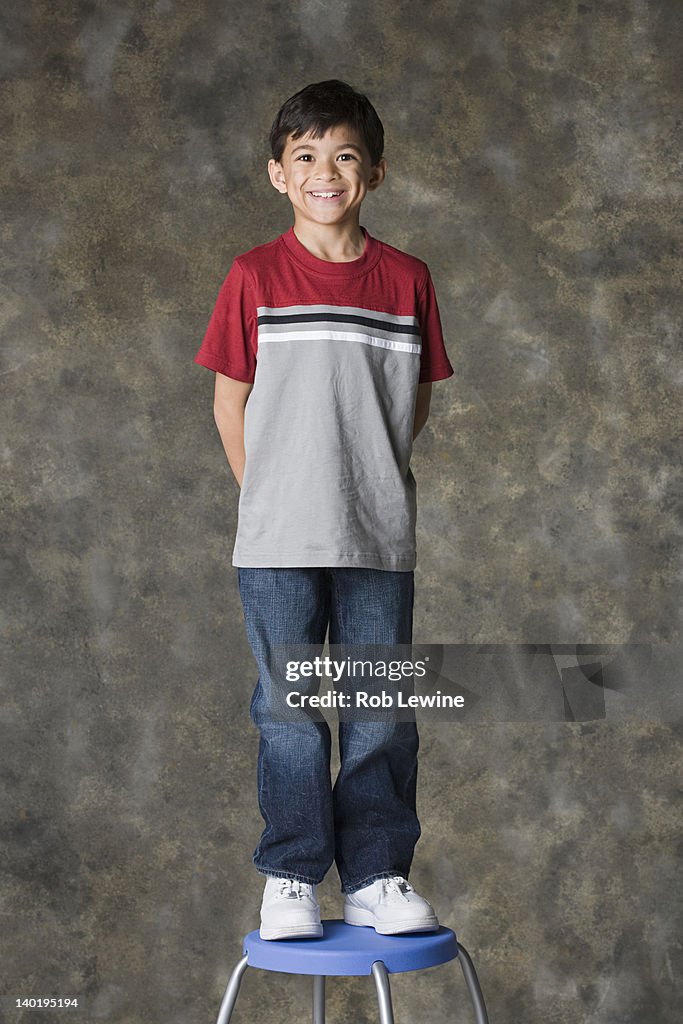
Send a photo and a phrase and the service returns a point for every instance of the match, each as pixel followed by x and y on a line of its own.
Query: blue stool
pixel 346 949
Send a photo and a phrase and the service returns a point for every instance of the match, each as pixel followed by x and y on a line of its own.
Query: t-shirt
pixel 335 352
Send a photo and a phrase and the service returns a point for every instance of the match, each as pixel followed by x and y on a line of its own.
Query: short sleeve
pixel 434 362
pixel 231 340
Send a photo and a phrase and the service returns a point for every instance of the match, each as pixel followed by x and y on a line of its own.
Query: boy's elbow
pixel 230 399
pixel 225 414
pixel 419 424
pixel 424 395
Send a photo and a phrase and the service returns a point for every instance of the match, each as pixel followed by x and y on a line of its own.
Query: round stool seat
pixel 347 949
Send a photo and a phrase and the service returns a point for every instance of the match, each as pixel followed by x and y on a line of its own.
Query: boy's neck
pixel 336 243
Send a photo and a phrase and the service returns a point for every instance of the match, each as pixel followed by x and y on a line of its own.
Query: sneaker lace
pixel 395 888
pixel 292 889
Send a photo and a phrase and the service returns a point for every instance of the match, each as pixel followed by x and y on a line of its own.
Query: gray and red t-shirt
pixel 335 352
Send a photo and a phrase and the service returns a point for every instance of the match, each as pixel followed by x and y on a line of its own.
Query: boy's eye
pixel 309 156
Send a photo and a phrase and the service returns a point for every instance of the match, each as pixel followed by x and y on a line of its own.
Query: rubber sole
pixel 366 919
pixel 292 931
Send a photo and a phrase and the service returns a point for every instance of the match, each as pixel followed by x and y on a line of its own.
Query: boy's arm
pixel 424 397
pixel 230 398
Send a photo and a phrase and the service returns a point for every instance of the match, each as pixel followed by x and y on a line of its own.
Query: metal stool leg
pixel 230 997
pixel 473 985
pixel 386 1013
pixel 318 999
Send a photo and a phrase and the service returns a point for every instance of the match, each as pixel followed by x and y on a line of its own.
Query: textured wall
pixel 534 163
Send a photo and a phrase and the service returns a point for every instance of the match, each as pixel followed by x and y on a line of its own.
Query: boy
pixel 334 338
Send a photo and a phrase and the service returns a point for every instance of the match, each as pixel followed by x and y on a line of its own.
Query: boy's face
pixel 340 163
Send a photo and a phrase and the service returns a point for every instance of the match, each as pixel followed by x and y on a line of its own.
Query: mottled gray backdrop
pixel 534 163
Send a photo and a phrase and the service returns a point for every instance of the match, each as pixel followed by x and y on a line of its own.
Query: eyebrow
pixel 344 145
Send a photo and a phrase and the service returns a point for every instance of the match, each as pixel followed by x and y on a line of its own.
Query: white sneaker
pixel 390 906
pixel 289 910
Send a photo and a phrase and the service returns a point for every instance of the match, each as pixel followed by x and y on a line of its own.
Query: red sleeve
pixel 434 362
pixel 231 340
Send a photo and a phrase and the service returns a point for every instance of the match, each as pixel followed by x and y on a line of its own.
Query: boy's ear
pixel 277 176
pixel 377 174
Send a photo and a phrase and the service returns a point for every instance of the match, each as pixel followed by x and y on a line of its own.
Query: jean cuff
pixel 355 886
pixel 307 879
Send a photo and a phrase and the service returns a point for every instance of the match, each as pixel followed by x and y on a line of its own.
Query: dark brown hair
pixel 321 106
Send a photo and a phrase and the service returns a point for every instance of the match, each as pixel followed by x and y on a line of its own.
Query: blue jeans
pixel 367 821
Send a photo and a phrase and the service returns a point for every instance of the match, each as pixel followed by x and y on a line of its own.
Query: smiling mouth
pixel 326 195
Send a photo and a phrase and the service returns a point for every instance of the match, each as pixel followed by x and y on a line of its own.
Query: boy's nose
pixel 329 171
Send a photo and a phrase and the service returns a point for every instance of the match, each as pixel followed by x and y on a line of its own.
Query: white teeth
pixel 325 195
